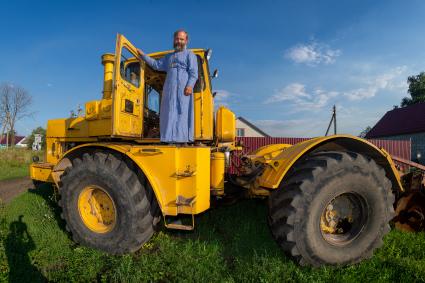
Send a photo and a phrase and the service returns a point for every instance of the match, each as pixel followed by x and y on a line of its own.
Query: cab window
pixel 200 82
pixel 154 82
pixel 129 68
pixel 152 97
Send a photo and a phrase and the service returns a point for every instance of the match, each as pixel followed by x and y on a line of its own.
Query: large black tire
pixel 297 207
pixel 137 211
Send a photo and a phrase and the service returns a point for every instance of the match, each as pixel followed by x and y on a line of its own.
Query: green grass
pixel 14 162
pixel 230 244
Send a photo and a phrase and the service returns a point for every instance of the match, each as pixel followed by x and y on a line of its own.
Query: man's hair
pixel 181 30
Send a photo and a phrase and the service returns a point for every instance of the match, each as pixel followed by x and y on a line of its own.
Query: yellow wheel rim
pixel 344 218
pixel 97 209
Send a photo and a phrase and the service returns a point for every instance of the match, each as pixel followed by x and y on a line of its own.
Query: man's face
pixel 180 41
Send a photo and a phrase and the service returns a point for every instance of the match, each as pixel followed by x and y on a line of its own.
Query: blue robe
pixel 176 112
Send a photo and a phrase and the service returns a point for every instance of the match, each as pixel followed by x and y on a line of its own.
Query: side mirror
pixel 209 53
pixel 214 94
pixel 215 74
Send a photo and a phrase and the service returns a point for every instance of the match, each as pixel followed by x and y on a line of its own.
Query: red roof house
pixel 407 123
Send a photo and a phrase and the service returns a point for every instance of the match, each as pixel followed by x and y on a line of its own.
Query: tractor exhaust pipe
pixel 108 72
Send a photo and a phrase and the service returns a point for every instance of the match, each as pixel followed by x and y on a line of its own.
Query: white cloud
pixel 391 80
pixel 291 92
pixel 222 95
pixel 316 99
pixel 312 54
pixel 302 100
pixel 226 98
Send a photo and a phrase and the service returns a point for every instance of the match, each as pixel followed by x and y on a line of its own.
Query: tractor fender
pixel 123 149
pixel 270 149
pixel 279 166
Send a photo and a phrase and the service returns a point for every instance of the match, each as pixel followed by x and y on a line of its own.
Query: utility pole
pixel 333 119
pixel 334 115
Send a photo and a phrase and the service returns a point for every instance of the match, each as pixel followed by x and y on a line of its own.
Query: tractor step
pixel 179 227
pixel 181 222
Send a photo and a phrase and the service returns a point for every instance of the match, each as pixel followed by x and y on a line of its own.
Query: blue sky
pixel 282 64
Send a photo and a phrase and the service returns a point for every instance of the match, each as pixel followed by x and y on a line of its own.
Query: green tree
pixel 40 131
pixel 365 131
pixel 416 90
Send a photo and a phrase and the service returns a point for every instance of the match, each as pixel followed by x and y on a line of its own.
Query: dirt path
pixel 14 187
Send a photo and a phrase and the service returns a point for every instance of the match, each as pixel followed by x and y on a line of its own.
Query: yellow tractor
pixel 330 198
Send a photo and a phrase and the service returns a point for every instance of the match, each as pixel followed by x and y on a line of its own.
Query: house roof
pixel 252 126
pixel 23 141
pixel 406 120
pixel 17 139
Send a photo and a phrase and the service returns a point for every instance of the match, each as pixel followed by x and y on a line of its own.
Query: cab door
pixel 127 98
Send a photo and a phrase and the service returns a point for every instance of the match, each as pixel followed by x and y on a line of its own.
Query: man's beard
pixel 179 47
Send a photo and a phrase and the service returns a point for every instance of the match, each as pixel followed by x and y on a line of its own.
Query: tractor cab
pixel 137 94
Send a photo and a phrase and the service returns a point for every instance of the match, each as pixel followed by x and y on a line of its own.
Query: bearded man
pixel 176 111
